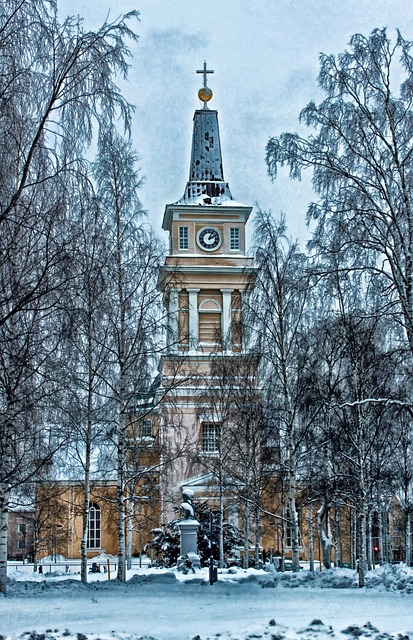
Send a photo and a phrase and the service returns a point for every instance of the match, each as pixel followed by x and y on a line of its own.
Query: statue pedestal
pixel 188 529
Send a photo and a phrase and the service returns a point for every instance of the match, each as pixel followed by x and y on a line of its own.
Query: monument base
pixel 188 529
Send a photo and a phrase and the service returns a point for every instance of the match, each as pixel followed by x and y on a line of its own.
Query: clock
pixel 209 238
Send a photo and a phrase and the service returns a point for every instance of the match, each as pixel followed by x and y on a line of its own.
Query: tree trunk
pixel 311 536
pixel 408 539
pixel 257 535
pixel 335 542
pixel 292 491
pixel 370 559
pixel 221 524
pixel 247 523
pixel 283 523
pixel 4 516
pixel 381 539
pixel 121 575
pixel 363 543
pixel 326 541
pixel 353 529
pixel 295 544
pixel 131 522
pixel 121 445
pixel 88 447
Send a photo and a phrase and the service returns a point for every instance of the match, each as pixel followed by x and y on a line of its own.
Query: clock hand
pixel 208 238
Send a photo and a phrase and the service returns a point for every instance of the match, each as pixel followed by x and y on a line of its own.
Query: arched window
pixel 94 527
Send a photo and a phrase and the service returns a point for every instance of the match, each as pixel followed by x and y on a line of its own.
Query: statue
pixel 186 504
pixel 188 528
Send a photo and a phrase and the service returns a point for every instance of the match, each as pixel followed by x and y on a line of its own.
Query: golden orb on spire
pixel 205 94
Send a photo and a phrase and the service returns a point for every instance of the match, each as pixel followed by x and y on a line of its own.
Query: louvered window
pixel 210 327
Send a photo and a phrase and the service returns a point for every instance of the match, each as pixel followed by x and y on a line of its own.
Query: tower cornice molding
pixel 224 211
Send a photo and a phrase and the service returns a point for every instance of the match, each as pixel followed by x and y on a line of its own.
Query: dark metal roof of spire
pixel 206 184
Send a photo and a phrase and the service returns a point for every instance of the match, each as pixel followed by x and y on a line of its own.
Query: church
pixel 200 426
pixel 177 430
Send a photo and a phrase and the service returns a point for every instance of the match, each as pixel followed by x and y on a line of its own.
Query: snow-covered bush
pixel 166 544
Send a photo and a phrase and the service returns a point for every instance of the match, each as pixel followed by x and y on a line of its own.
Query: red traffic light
pixel 376 548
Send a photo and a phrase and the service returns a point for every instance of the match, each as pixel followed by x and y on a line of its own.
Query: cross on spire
pixel 205 94
pixel 205 70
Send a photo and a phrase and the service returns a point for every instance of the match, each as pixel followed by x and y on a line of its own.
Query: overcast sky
pixel 265 59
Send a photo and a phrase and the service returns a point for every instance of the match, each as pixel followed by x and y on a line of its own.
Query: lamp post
pixel 140 534
pixel 213 573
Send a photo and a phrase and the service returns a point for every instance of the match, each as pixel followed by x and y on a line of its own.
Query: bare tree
pixel 56 83
pixel 361 157
pixel 237 466
pixel 278 309
pixel 134 320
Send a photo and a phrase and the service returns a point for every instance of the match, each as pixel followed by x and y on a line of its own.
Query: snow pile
pixel 316 630
pixel 391 578
pixel 163 604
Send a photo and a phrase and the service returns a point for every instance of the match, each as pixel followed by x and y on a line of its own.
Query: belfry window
pixel 211 437
pixel 183 238
pixel 235 239
pixel 146 429
pixel 94 527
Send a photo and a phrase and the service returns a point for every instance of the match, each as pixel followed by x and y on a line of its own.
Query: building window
pixel 146 429
pixel 289 530
pixel 235 239
pixel 94 527
pixel 183 238
pixel 211 437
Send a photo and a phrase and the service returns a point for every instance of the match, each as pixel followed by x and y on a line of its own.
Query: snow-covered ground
pixel 166 605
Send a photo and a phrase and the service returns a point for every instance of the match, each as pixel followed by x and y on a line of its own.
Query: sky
pixel 264 54
pixel 161 605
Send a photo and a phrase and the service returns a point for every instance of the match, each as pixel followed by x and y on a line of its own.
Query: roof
pixel 206 184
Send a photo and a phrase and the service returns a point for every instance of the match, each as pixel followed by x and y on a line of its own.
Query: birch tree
pixel 278 309
pixel 87 356
pixel 239 465
pixel 56 84
pixel 134 319
pixel 360 154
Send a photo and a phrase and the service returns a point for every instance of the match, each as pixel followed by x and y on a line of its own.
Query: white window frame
pixel 211 437
pixel 94 528
pixel 183 238
pixel 235 239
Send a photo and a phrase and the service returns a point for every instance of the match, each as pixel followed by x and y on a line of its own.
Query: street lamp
pixel 213 572
pixel 140 534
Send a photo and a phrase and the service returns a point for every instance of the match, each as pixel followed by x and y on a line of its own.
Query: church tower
pixel 205 279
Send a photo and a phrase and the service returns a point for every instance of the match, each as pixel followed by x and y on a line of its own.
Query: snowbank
pixel 166 605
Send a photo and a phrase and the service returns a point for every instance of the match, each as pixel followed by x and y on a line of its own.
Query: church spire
pixel 206 184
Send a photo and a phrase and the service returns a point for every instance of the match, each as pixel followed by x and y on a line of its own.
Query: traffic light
pixel 376 548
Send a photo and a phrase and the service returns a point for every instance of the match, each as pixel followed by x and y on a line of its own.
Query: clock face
pixel 209 238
